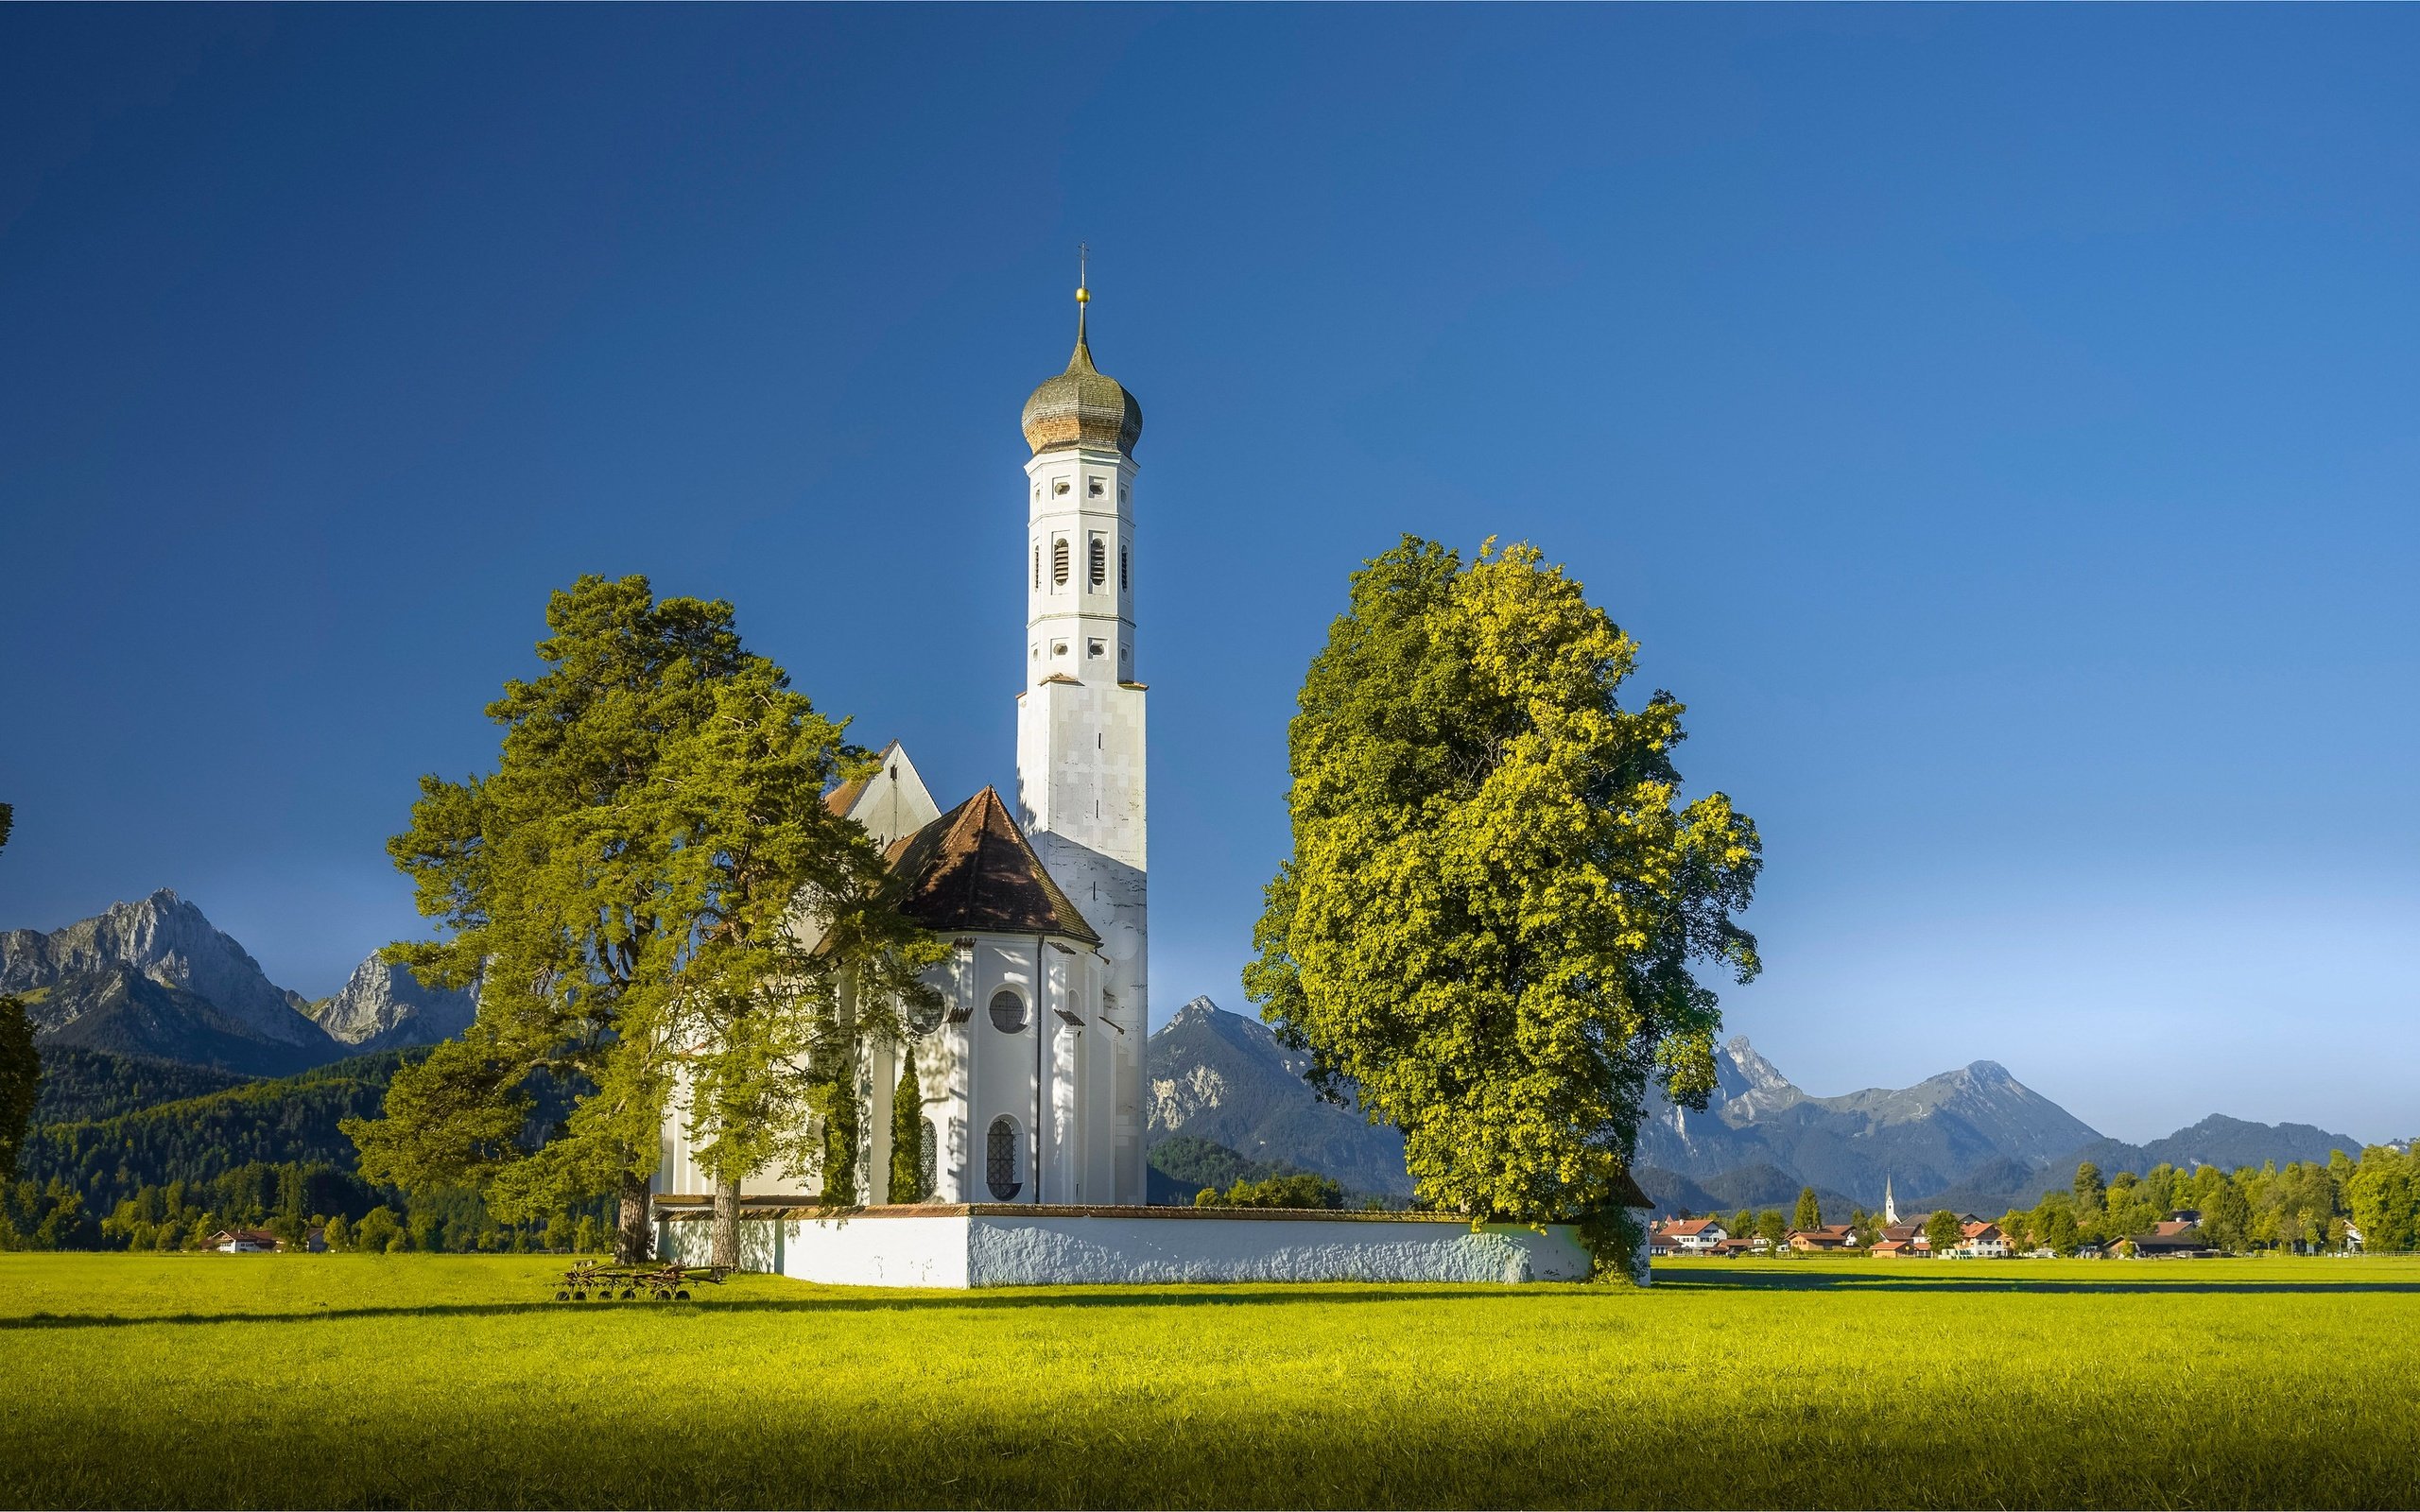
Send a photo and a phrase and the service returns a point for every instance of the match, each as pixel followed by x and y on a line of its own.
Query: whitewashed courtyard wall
pixel 1023 1246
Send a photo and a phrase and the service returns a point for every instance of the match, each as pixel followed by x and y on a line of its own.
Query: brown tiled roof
pixel 971 869
pixel 1627 1194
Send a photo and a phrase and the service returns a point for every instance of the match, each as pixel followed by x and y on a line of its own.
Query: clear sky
pixel 2000 425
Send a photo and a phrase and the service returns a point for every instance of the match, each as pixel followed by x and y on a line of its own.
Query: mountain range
pixel 1975 1139
pixel 155 978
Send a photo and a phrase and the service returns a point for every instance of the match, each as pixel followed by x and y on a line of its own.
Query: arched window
pixel 1098 567
pixel 1007 1011
pixel 929 1160
pixel 1059 561
pixel 1000 1160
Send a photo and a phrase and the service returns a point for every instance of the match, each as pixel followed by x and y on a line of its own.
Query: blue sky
pixel 1997 424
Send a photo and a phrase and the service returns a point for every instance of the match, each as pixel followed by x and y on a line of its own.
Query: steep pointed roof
pixel 972 870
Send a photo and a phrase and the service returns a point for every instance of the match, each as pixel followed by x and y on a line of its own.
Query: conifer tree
pixel 1810 1210
pixel 2091 1191
pixel 794 956
pixel 20 1062
pixel 908 1132
pixel 622 888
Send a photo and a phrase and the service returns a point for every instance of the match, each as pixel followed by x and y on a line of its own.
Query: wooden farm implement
pixel 662 1283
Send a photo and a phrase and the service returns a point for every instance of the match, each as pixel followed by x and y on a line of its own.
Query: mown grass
pixel 344 1381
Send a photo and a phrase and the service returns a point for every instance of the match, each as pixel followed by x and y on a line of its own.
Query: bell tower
pixel 1079 717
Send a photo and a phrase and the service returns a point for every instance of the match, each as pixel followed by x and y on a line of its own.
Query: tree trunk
pixel 633 1235
pixel 726 1236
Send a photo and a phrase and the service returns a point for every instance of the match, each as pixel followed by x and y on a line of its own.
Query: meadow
pixel 413 1381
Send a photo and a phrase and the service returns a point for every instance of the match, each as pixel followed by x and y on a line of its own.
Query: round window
pixel 1007 1011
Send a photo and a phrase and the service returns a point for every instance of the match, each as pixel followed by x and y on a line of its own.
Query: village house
pixel 2171 1240
pixel 1687 1236
pixel 1982 1240
pixel 244 1241
pixel 1829 1238
pixel 1901 1241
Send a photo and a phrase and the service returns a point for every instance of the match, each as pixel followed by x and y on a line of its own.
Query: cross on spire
pixel 1084 290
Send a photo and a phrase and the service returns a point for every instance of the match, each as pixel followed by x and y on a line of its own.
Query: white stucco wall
pixel 960 1249
pixel 1046 1251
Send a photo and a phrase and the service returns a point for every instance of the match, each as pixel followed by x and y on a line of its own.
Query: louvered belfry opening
pixel 1059 561
pixel 1097 568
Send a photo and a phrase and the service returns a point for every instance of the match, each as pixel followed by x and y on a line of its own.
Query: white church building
pixel 1032 1139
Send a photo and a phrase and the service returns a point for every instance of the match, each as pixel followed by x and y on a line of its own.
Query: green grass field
pixel 343 1381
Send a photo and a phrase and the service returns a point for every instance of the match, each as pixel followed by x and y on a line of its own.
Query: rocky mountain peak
pixel 1761 1075
pixel 168 940
pixel 385 1008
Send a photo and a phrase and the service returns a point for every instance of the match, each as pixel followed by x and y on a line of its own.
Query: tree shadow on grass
pixel 1811 1280
pixel 924 1301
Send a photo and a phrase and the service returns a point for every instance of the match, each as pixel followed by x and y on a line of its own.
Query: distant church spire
pixel 1890 1208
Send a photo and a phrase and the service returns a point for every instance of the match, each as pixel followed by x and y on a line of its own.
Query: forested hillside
pixel 291 1120
pixel 81 1086
pixel 152 1171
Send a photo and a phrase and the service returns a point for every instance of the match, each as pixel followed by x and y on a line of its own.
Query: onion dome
pixel 1082 406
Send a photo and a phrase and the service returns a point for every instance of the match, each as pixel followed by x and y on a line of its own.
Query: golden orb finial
pixel 1083 295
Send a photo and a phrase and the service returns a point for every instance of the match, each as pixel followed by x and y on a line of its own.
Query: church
pixel 1031 1155
pixel 1032 1067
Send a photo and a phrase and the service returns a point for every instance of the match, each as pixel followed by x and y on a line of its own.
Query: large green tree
pixel 2384 1195
pixel 1810 1210
pixel 20 1062
pixel 1488 929
pixel 795 958
pixel 551 876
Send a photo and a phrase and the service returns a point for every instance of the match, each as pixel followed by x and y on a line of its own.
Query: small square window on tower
pixel 1060 487
pixel 1095 490
pixel 1095 648
pixel 1058 648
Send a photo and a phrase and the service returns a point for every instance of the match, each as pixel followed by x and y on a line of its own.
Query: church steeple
pixel 1080 786
pixel 1889 1207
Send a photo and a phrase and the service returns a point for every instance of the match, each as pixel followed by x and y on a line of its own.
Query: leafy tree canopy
pixel 1487 930
pixel 1943 1233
